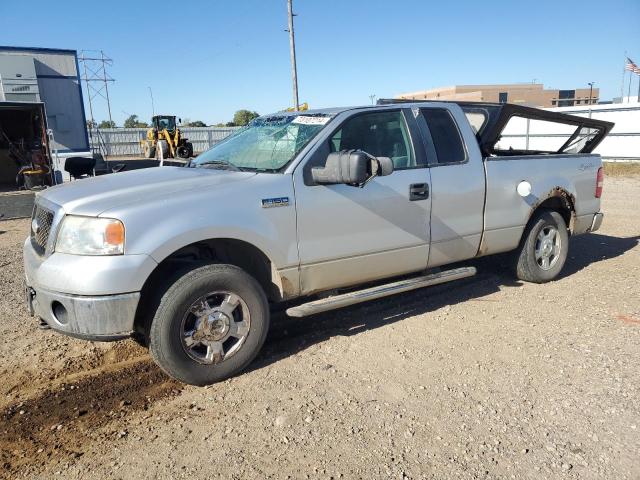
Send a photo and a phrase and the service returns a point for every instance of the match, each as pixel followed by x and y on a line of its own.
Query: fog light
pixel 59 313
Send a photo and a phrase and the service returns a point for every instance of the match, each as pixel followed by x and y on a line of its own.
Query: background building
pixel 50 76
pixel 531 94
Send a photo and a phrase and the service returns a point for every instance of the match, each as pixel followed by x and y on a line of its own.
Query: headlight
pixel 90 236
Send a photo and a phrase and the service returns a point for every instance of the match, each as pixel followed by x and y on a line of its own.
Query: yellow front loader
pixel 165 138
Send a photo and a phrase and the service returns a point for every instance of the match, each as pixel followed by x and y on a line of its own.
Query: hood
pixel 95 195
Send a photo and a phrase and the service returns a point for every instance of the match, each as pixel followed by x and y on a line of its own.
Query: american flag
pixel 632 67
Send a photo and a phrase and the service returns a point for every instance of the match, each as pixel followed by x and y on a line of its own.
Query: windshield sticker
pixel 307 120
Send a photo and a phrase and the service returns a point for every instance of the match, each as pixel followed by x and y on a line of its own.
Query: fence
pixel 125 142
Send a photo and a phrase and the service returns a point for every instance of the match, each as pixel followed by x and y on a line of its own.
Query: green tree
pixel 243 117
pixel 133 122
pixel 107 124
pixel 91 124
pixel 197 123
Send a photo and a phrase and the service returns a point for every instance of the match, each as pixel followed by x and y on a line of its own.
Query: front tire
pixel 544 247
pixel 210 324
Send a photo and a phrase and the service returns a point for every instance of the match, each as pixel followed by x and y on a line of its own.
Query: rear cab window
pixel 445 136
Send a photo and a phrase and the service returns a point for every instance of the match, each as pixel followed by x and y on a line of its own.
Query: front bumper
pixel 94 298
pixel 102 318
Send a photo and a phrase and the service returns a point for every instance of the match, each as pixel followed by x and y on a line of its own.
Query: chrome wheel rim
pixel 548 247
pixel 215 327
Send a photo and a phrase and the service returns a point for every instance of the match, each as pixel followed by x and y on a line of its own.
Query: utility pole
pixel 590 91
pixel 292 47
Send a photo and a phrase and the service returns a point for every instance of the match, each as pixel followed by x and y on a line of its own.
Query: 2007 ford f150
pixel 305 207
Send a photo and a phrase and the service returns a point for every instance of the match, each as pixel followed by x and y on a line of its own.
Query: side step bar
pixel 380 291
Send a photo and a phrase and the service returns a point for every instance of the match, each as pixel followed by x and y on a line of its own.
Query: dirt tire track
pixel 58 425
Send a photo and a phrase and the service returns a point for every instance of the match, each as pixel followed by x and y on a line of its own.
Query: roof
pixel 37 50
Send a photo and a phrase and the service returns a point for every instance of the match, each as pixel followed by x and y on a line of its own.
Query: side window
pixel 382 134
pixel 445 135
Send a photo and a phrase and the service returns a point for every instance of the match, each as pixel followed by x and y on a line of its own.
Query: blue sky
pixel 215 57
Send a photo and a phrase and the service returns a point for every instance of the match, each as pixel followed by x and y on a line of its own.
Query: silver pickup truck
pixel 307 207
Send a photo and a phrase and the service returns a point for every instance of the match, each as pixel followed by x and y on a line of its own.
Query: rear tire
pixel 182 151
pixel 202 342
pixel 543 249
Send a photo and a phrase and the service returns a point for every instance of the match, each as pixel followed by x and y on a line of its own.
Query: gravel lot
pixel 484 378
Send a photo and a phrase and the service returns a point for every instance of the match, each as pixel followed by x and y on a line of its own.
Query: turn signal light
pixel 114 233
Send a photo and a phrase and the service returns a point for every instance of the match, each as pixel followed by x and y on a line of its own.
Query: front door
pixel 348 235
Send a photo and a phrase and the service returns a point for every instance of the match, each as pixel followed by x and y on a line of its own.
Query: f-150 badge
pixel 275 202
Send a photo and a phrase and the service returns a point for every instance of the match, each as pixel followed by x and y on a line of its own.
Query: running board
pixel 380 291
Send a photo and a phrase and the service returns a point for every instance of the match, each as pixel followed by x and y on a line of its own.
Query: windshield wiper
pixel 219 163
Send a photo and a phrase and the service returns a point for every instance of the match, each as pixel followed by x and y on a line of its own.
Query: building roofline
pixel 37 49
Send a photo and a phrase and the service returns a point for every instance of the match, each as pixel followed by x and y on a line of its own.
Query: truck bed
pixel 506 212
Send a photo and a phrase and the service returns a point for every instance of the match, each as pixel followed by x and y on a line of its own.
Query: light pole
pixel 590 91
pixel 372 97
pixel 153 108
pixel 292 48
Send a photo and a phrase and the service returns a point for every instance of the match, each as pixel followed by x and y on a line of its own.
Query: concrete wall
pixel 119 142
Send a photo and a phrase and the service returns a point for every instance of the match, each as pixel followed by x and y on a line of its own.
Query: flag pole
pixel 624 71
pixel 630 80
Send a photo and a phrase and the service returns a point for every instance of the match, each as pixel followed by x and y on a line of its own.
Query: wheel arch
pixel 559 200
pixel 214 250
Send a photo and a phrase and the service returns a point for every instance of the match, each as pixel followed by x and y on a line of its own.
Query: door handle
pixel 418 191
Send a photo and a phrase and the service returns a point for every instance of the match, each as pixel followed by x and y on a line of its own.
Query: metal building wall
pixel 60 90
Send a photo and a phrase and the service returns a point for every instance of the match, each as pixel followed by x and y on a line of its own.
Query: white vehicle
pixel 189 260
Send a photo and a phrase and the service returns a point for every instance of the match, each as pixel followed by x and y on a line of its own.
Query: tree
pixel 133 122
pixel 243 117
pixel 107 124
pixel 91 124
pixel 197 123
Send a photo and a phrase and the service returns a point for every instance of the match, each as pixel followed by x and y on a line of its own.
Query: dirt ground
pixel 484 378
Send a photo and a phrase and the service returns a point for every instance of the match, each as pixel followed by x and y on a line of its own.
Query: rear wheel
pixel 543 250
pixel 183 151
pixel 210 324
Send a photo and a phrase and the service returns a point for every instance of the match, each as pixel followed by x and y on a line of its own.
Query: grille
pixel 41 228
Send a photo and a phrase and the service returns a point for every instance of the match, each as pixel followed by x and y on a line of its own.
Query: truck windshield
pixel 266 144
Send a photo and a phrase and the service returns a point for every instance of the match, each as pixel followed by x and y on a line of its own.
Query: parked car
pixel 190 260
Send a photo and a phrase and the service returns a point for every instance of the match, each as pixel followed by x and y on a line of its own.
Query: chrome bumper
pixel 102 318
pixel 597 221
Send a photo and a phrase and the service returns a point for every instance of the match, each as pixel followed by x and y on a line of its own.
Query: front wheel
pixel 544 247
pixel 210 324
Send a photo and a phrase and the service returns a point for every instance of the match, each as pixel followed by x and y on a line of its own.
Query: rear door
pixel 457 183
pixel 349 235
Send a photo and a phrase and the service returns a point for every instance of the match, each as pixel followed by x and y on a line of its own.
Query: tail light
pixel 599 182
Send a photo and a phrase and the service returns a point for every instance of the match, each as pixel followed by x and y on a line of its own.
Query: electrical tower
pixel 96 77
